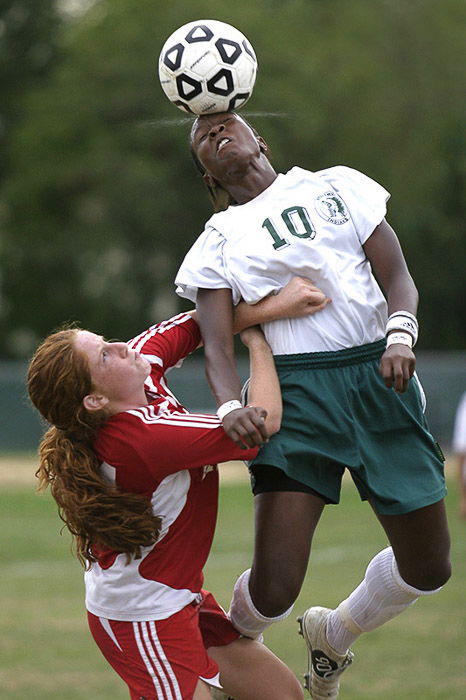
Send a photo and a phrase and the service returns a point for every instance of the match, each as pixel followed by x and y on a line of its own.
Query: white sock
pixel 381 596
pixel 244 615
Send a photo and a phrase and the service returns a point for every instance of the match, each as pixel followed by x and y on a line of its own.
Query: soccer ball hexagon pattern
pixel 206 67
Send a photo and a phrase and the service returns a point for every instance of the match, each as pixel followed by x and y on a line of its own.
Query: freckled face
pixel 224 143
pixel 116 371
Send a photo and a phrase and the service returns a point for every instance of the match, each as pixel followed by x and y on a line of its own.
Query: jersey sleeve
pixel 165 344
pixel 203 266
pixel 151 446
pixel 365 198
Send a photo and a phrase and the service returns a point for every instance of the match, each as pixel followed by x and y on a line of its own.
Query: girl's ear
pixel 94 402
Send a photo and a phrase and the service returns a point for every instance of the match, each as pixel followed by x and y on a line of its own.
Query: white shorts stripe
pixel 161 668
pixel 164 660
pixel 151 671
pixel 421 392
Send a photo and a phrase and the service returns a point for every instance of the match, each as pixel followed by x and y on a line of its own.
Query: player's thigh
pixel 202 691
pixel 250 671
pixel 284 526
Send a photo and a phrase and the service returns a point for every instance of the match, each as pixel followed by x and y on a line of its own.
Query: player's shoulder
pixel 341 173
pixel 351 182
pixel 220 222
pixel 326 176
pixel 211 236
pixel 118 437
pixel 124 430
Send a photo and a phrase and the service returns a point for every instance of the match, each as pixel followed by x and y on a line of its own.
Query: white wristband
pixel 228 407
pixel 404 313
pixel 403 321
pixel 400 337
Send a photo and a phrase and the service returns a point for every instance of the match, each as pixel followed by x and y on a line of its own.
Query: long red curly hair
pixel 95 511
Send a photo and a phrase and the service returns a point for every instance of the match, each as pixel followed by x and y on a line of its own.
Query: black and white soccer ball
pixel 206 67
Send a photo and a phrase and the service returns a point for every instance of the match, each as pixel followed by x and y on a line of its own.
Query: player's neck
pixel 127 404
pixel 246 185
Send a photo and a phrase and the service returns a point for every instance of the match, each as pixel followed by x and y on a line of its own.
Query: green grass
pixel 46 651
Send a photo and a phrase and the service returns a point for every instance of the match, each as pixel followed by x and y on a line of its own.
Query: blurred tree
pixel 104 202
pixel 28 51
pixel 28 32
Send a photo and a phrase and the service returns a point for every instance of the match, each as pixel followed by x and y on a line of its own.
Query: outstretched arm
pixel 300 297
pixel 384 252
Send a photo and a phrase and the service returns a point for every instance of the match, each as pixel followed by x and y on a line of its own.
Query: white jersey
pixel 308 224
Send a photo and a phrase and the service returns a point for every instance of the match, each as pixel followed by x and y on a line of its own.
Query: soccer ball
pixel 207 66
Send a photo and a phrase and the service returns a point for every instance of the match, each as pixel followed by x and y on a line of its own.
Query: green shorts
pixel 337 414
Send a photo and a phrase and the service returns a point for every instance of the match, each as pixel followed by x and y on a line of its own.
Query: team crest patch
pixel 331 207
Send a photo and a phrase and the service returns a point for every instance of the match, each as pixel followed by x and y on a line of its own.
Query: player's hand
pixel 246 426
pixel 300 297
pixel 397 367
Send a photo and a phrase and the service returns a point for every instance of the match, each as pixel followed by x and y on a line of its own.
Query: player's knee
pixel 274 597
pixel 431 575
pixel 440 574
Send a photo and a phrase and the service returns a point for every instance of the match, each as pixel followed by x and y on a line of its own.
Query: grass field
pixel 46 651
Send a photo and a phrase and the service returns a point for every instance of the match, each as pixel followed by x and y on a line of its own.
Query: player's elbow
pixel 273 422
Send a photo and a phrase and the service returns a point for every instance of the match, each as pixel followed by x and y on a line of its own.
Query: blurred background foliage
pixel 99 200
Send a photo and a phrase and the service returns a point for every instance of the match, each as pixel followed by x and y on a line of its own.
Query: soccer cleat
pixel 322 679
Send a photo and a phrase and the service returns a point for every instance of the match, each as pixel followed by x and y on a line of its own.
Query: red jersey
pixel 169 455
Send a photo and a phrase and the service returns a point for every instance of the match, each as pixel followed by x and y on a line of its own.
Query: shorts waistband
pixel 337 358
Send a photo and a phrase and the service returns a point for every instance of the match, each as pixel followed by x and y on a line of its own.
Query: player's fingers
pixel 401 374
pixel 321 305
pixel 254 433
pixel 246 427
pixel 306 282
pixel 398 378
pixel 247 439
pixel 241 440
pixel 407 371
pixel 314 294
pixel 385 370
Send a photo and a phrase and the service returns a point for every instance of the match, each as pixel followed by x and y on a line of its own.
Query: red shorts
pixel 163 659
